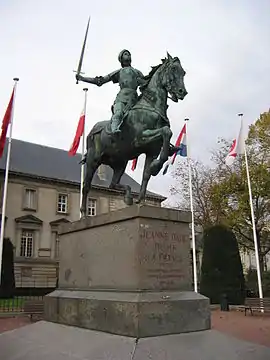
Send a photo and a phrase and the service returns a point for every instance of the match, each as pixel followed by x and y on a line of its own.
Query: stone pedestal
pixel 129 273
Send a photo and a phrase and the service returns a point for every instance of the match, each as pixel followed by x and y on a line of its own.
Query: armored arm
pixel 100 80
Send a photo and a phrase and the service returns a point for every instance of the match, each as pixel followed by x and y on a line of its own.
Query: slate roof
pixel 55 164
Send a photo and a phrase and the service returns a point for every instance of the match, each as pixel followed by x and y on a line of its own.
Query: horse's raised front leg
pixel 146 177
pixel 118 171
pixel 163 134
pixel 157 164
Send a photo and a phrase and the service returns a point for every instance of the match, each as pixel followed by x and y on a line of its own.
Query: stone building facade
pixel 43 193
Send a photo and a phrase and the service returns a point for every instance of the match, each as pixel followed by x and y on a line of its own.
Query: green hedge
pixel 7 286
pixel 221 271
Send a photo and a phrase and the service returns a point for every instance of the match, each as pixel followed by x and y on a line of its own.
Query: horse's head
pixel 173 79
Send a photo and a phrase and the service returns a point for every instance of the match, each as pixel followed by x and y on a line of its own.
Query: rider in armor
pixel 129 79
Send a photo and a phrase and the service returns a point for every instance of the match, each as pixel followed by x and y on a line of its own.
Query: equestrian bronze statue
pixel 139 123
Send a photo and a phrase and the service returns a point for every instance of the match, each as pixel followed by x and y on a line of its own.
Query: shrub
pixel 222 271
pixel 7 286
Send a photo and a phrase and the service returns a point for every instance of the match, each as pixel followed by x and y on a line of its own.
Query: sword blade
pixel 83 48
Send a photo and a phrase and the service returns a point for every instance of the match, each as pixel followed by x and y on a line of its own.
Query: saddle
pixel 106 125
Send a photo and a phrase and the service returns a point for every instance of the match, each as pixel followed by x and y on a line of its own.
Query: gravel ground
pixel 10 323
pixel 254 328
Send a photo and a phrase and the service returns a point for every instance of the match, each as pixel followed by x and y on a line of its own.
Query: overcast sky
pixel 224 47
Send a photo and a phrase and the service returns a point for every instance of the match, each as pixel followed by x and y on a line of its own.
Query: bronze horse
pixel 145 130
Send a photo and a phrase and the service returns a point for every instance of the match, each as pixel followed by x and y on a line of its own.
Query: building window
pixel 91 207
pixel 62 203
pixel 27 244
pixel 30 199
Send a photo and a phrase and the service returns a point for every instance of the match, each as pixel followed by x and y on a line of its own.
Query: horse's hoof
pixel 154 170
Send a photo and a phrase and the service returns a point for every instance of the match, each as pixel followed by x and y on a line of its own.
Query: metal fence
pixel 16 304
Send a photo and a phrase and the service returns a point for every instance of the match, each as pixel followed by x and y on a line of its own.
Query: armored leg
pixel 118 110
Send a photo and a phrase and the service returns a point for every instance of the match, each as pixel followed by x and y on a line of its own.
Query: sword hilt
pixel 77 82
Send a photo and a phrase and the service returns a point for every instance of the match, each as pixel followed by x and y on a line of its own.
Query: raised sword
pixel 78 72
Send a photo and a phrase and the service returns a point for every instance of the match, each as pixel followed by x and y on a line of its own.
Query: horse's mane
pixel 148 77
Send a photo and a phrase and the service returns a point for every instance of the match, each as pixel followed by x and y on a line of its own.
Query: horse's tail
pixel 90 140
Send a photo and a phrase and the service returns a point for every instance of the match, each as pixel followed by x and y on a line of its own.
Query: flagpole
pixel 253 223
pixel 254 229
pixel 192 217
pixel 6 179
pixel 83 150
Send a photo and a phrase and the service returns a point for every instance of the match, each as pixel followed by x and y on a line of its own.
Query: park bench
pixel 257 304
pixel 33 307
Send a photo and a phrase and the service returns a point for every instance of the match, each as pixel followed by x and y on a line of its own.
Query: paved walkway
pixel 49 341
pixel 254 328
pixel 10 323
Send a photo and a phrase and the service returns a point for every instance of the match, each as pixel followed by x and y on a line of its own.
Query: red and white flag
pixel 5 123
pixel 78 135
pixel 134 164
pixel 237 148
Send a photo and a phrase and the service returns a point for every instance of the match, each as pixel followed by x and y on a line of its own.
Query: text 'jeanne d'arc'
pixel 163 235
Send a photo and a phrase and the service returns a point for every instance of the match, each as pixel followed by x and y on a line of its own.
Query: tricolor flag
pixel 182 143
pixel 78 135
pixel 237 148
pixel 5 123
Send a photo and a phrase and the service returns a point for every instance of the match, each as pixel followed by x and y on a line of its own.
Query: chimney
pixel 101 172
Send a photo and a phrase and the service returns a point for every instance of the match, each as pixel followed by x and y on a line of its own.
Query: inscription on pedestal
pixel 164 258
